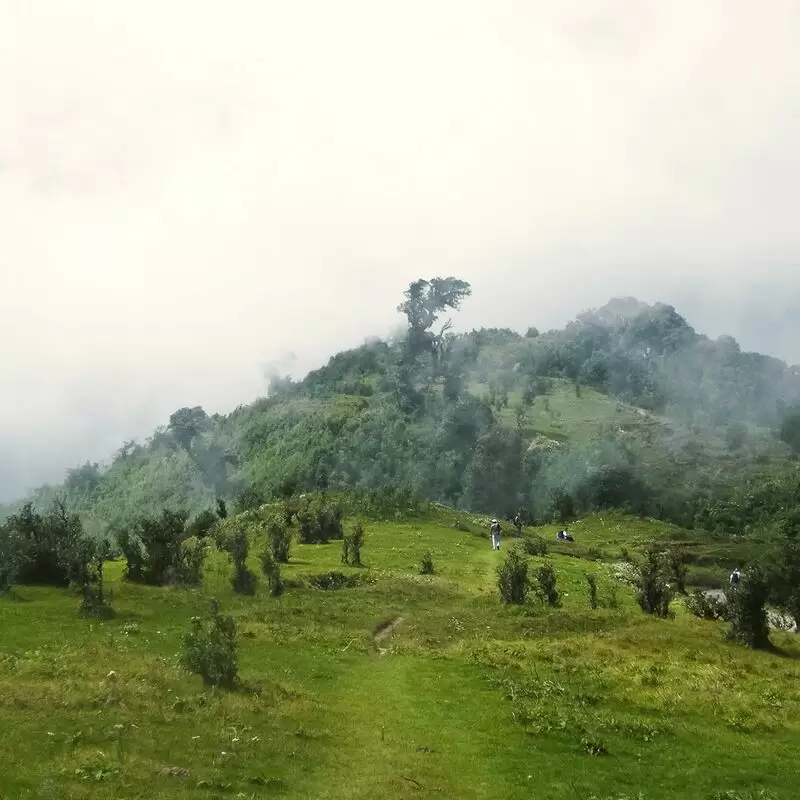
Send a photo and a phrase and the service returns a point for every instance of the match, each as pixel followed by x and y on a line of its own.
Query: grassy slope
pixel 471 699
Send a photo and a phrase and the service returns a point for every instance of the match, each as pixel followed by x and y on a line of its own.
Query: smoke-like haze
pixel 192 191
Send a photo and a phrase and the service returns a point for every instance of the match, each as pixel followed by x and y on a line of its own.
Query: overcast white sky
pixel 190 191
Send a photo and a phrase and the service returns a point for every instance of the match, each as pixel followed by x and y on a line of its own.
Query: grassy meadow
pixel 403 686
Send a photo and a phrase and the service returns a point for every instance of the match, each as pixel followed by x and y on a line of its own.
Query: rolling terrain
pixel 402 685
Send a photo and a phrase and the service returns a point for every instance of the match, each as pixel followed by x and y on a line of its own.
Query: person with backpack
pixel 735 578
pixel 494 530
pixel 518 524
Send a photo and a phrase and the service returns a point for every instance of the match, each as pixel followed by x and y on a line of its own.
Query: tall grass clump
pixel 351 546
pixel 547 591
pixel 591 582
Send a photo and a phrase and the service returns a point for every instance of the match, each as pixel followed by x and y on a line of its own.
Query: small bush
pixel 244 580
pixel 87 576
pixel 155 553
pixel 706 606
pixel 534 545
pixel 653 594
pixel 625 555
pixel 426 564
pixel 45 546
pixel 280 539
pixel 594 746
pixel 211 649
pixel 591 582
pixel 546 578
pixel 677 565
pixel 460 526
pixel 271 569
pixel 351 546
pixel 334 580
pixel 191 557
pixel 512 578
pixel 10 555
pixel 747 609
pixel 319 522
pixel 613 596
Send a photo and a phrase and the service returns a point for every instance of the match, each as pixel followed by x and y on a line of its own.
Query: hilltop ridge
pixel 625 406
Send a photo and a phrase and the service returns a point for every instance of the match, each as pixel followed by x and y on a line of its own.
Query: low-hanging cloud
pixel 190 190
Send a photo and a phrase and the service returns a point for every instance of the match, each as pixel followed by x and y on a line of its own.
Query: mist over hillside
pixel 626 406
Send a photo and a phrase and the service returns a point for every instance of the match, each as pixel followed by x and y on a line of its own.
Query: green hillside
pixel 403 685
pixel 626 407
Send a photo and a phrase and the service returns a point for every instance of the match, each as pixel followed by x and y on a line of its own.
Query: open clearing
pixel 464 698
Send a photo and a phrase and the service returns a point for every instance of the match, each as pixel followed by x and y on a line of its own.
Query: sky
pixel 196 194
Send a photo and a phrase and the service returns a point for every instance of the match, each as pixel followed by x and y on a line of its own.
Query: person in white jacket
pixel 494 529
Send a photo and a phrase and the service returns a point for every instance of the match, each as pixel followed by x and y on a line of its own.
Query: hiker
pixel 494 529
pixel 735 577
pixel 518 525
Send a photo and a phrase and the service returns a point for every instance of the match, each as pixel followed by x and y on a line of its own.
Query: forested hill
pixel 626 406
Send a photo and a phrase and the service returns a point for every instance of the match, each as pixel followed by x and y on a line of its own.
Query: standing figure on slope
pixel 494 529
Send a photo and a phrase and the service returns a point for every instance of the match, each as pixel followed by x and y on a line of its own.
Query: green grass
pixel 464 698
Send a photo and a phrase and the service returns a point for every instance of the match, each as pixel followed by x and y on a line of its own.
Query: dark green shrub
pixel 46 545
pixel 351 546
pixel 706 606
pixel 10 556
pixel 319 522
pixel 653 595
pixel 426 564
pixel 677 565
pixel 191 557
pixel 512 578
pixel 211 649
pixel 747 609
pixel 155 553
pixel 222 509
pixel 87 575
pixel 546 578
pixel 201 524
pixel 280 539
pixel 334 580
pixel 272 572
pixel 591 582
pixel 244 580
pixel 534 545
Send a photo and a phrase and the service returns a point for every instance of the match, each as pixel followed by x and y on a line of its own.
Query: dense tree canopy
pixel 626 406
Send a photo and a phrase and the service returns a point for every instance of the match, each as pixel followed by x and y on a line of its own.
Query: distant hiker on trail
pixel 735 577
pixel 518 525
pixel 564 536
pixel 494 529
